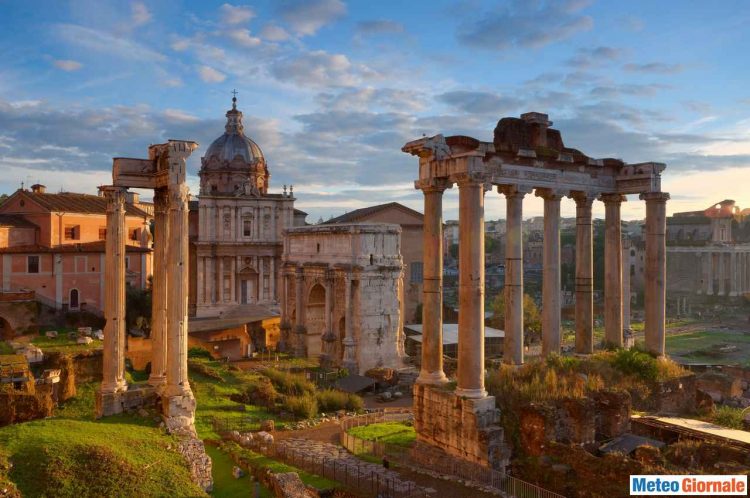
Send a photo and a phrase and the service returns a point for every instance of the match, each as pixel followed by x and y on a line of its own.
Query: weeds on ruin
pixel 289 383
pixel 330 400
pixel 727 416
pixel 305 406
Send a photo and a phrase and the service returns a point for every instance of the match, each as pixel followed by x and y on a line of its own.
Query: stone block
pixel 108 404
pixel 179 412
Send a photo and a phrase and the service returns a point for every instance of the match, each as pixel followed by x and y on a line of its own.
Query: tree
pixel 532 319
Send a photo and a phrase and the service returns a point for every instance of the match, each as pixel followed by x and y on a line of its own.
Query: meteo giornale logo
pixel 685 485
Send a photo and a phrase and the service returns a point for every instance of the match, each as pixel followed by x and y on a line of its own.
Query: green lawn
pixel 702 346
pixel 225 485
pixel 397 433
pixel 64 344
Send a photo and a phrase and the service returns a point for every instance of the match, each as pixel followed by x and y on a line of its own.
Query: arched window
pixel 74 299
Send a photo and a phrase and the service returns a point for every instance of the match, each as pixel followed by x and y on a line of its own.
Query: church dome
pixel 234 142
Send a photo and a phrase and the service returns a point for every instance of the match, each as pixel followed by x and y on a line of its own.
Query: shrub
pixel 728 416
pixel 305 406
pixel 199 352
pixel 260 392
pixel 331 400
pixel 196 367
pixel 637 363
pixel 289 383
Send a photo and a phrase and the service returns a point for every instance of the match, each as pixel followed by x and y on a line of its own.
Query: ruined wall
pixel 462 427
pixel 16 407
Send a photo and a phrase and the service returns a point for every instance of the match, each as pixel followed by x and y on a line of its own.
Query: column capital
pixel 513 191
pixel 611 198
pixel 470 179
pixel 551 194
pixel 431 185
pixel 660 197
pixel 179 195
pixel 161 200
pixel 582 199
pixel 115 196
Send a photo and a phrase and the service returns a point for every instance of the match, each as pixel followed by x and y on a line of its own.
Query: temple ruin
pixel 163 171
pixel 526 156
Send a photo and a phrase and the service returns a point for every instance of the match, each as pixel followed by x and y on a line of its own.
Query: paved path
pixel 700 426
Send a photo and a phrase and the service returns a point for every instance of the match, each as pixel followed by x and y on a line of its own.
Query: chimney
pixel 38 188
pixel 539 123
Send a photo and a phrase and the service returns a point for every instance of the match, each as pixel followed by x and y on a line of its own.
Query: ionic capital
pixel 514 191
pixel 656 197
pixel 470 179
pixel 582 199
pixel 613 198
pixel 551 194
pixel 432 185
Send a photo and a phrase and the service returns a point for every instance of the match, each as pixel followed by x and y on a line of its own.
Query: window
pixel 127 262
pixel 73 303
pixel 416 273
pixel 32 264
pixel 247 227
pixel 72 232
pixel 133 233
pixel 102 233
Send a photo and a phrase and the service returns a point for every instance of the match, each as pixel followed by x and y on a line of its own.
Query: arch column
pixel 613 270
pixel 471 287
pixel 299 301
pixel 350 353
pixel 584 274
pixel 431 371
pixel 551 307
pixel 159 290
pixel 656 271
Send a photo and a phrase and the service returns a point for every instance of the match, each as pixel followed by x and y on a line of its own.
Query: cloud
pixel 653 67
pixel 180 116
pixel 100 41
pixel 306 17
pixel 140 14
pixel 235 14
pixel 180 44
pixel 379 27
pixel 369 98
pixel 474 102
pixel 317 68
pixel 243 38
pixel 67 64
pixel 588 57
pixel 525 24
pixel 274 33
pixel 211 75
pixel 612 91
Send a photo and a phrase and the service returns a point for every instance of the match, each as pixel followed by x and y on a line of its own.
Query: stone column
pixel 513 341
pixel 612 270
pixel 733 273
pixel 471 288
pixel 328 337
pixel 431 371
pixel 710 273
pixel 299 300
pixel 626 284
pixel 722 275
pixel 656 270
pixel 113 378
pixel 350 358
pixel 158 375
pixel 584 274
pixel 177 298
pixel 551 338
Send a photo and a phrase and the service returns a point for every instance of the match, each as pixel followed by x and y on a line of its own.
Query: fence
pixel 421 457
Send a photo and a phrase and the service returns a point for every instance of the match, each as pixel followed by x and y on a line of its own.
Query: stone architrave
pixel 513 342
pixel 158 375
pixel 431 371
pixel 613 328
pixel 584 274
pixel 551 306
pixel 656 271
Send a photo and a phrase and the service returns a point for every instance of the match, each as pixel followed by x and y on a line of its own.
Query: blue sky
pixel 331 90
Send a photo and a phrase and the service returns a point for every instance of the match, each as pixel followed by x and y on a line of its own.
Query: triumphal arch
pixel 526 156
pixel 164 172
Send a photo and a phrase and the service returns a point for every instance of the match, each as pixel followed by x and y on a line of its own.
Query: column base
pixel 158 381
pixel 108 403
pixel 432 378
pixel 470 393
pixel 178 413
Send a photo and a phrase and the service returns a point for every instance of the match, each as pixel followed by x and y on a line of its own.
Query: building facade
pixel 240 226
pixel 54 244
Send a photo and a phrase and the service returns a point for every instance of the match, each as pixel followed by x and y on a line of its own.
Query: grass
pixel 63 344
pixel 398 433
pixel 76 456
pixel 702 345
pixel 727 416
pixel 5 348
pixel 225 485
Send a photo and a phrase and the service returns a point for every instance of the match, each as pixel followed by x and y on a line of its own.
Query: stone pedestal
pixel 108 403
pixel 466 428
pixel 179 412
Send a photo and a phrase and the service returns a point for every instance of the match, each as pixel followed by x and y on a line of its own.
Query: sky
pixel 331 90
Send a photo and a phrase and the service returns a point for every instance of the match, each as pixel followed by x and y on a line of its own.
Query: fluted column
pixel 158 375
pixel 612 270
pixel 513 341
pixel 177 292
pixel 299 301
pixel 551 338
pixel 113 378
pixel 626 284
pixel 656 271
pixel 350 359
pixel 722 275
pixel 431 371
pixel 328 337
pixel 584 274
pixel 471 288
pixel 710 273
pixel 733 273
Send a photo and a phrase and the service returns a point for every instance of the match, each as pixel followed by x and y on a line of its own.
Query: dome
pixel 234 142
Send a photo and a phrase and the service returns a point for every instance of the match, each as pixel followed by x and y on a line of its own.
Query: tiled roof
pixel 68 202
pixel 359 214
pixel 98 246
pixel 15 221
